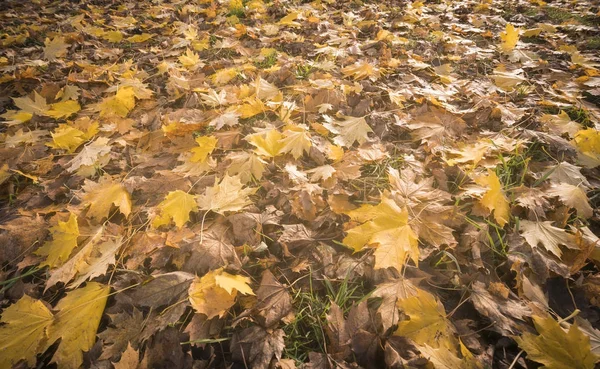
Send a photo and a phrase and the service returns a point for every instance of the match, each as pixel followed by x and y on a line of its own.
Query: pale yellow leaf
pixel 225 196
pixel 55 48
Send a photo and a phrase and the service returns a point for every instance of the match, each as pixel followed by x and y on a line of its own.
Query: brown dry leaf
pixel 129 360
pixel 257 347
pixel 122 335
pixel 274 301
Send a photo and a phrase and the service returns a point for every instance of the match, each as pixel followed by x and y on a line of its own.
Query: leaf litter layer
pixel 281 184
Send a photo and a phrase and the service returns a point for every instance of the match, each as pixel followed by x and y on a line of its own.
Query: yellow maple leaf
pixel 509 38
pixel 385 226
pixel 176 206
pixel 214 293
pixel 91 260
pixel 268 143
pixel 70 138
pixel 361 70
pixel 76 323
pixel 251 107
pixel 63 109
pixel 64 240
pixel 55 48
pixel 14 117
pixel 113 36
pixel 190 59
pixel 587 142
pixel 206 145
pixel 223 76
pixel 119 104
pixel 494 199
pixel 225 196
pixel 555 348
pixel 428 323
pixel 101 196
pixel 296 140
pixel 140 38
pixel 24 330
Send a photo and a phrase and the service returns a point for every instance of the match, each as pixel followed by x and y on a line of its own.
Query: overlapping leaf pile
pixel 277 184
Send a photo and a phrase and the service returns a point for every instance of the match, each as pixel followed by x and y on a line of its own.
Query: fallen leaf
pixel 494 199
pixel 225 196
pixel 176 206
pixel 556 349
pixel 24 331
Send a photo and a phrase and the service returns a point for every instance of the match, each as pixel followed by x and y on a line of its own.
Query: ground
pixel 281 184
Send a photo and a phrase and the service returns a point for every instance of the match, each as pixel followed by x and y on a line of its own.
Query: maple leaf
pixel 177 206
pixel 90 261
pixel 63 109
pixel 509 38
pixel 227 195
pixel 268 143
pixel 91 154
pixel 494 199
pixel 36 106
pixel 24 330
pixel 349 130
pixel 129 359
pixel 119 104
pixel 587 142
pixel 206 145
pixel 103 195
pixel 214 293
pixel 64 240
pixel 296 140
pixel 190 60
pixel 245 165
pixel 386 226
pixel 361 70
pixel 70 138
pixel 556 349
pixel 428 323
pixel 76 323
pixel 573 197
pixel 549 236
pixel 229 119
pixel 55 48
